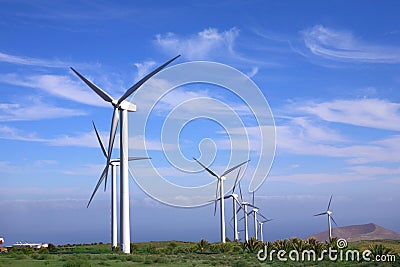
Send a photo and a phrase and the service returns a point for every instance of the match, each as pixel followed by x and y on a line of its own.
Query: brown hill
pixel 351 233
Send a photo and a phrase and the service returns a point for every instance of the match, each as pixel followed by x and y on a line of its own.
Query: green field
pixel 176 253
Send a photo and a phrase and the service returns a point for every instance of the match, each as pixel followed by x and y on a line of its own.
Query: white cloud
pixel 253 72
pixel 56 85
pixel 306 136
pixel 11 133
pixel 374 113
pixel 144 68
pixel 204 45
pixel 34 109
pixel 29 61
pixel 343 46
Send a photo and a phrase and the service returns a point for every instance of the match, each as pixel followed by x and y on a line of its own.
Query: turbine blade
pixel 237 177
pixel 216 198
pixel 233 168
pixel 329 203
pixel 99 139
pixel 207 169
pixel 319 214
pixel 252 206
pixel 143 80
pixel 96 89
pixel 113 130
pixel 265 218
pixel 98 184
pixel 137 158
pixel 240 190
pixel 334 221
pixel 253 199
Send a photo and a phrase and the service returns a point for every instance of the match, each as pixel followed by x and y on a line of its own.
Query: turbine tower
pixel 124 107
pixel 260 224
pixel 255 212
pixel 329 213
pixel 235 201
pixel 243 205
pixel 219 195
pixel 114 163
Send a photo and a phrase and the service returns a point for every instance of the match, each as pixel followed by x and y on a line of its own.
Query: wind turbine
pixel 260 224
pixel 243 205
pixel 255 212
pixel 124 107
pixel 114 163
pixel 219 194
pixel 329 213
pixel 235 201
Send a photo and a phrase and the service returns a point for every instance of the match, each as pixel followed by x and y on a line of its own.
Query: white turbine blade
pixel 334 221
pixel 207 169
pixel 329 203
pixel 216 198
pixel 99 139
pixel 137 158
pixel 319 214
pixel 97 90
pixel 255 207
pixel 98 184
pixel 240 190
pixel 237 177
pixel 233 168
pixel 113 130
pixel 143 80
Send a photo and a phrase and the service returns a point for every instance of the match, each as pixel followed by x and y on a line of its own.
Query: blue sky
pixel 330 73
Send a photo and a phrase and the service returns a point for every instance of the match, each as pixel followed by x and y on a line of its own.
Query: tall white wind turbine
pixel 124 107
pixel 219 195
pixel 243 205
pixel 329 213
pixel 114 163
pixel 235 201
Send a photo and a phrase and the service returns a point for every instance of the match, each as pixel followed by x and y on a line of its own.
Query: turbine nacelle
pixel 329 212
pixel 125 105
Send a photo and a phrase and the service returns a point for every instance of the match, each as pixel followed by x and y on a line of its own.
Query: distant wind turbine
pixel 114 163
pixel 219 195
pixel 243 205
pixel 255 212
pixel 260 227
pixel 329 213
pixel 124 107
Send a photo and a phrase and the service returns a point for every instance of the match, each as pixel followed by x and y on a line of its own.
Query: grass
pixel 170 253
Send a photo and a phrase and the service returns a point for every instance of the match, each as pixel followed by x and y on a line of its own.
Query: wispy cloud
pixel 374 113
pixel 343 46
pixel 310 128
pixel 30 61
pixel 203 45
pixel 35 109
pixel 56 85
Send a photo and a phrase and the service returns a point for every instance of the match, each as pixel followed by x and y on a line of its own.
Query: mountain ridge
pixel 359 232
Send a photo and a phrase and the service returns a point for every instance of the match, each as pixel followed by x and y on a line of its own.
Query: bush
pixel 76 263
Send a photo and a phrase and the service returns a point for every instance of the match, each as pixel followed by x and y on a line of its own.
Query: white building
pixel 31 245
